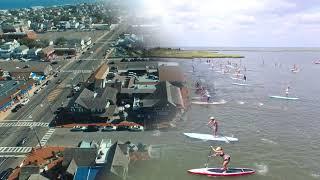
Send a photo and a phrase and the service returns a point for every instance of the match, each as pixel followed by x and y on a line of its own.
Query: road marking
pixel 15 149
pixel 22 124
pixel 54 94
pixel 46 137
pixel 12 155
pixel 22 120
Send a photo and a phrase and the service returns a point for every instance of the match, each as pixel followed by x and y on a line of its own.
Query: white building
pixel 7 49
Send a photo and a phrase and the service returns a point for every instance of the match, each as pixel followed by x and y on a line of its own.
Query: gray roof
pixel 165 92
pixel 37 177
pixel 89 100
pixel 21 48
pixel 30 66
pixel 27 171
pixel 79 156
pixel 116 157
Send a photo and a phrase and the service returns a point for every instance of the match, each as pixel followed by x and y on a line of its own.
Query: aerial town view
pixel 159 90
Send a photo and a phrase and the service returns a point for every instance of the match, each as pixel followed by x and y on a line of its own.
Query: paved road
pixel 40 110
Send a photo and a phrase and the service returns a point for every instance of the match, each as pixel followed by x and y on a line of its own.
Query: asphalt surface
pixel 42 106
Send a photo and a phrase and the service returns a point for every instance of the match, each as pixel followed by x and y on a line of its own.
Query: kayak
pixel 209 137
pixel 208 103
pixel 219 171
pixel 240 84
pixel 284 97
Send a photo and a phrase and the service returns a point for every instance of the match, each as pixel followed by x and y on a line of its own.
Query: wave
pixel 261 169
pixel 268 141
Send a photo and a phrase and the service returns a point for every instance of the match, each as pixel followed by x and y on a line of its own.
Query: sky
pixel 234 23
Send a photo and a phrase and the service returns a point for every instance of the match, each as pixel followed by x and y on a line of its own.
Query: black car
pixel 15 109
pixel 22 141
pixel 92 128
pixel 5 174
pixel 53 63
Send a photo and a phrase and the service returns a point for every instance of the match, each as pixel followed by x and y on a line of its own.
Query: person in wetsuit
pixel 226 157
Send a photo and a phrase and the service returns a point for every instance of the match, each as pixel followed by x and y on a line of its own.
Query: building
pixel 47 54
pixel 173 74
pixel 12 91
pixel 79 43
pixel 34 53
pixel 7 49
pixel 20 51
pixel 92 106
pixel 24 70
pixel 163 104
pixel 100 76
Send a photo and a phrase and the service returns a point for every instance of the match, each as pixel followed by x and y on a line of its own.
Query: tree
pixel 61 41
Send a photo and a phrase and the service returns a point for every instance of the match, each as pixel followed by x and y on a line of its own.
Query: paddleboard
pixel 209 137
pixel 219 171
pixel 284 97
pixel 240 84
pixel 208 103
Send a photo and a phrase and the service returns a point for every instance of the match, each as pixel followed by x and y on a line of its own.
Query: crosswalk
pixel 21 124
pixel 54 94
pixel 46 137
pixel 15 149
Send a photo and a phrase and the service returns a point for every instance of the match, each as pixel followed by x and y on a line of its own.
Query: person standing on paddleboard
pixel 213 123
pixel 287 91
pixel 226 157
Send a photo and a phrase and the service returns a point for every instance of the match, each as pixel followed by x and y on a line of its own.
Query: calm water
pixel 278 138
pixel 14 4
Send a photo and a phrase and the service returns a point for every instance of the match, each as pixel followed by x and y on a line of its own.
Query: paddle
pixel 227 141
pixel 209 155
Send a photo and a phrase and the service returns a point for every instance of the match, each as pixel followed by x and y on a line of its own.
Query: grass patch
pixel 186 54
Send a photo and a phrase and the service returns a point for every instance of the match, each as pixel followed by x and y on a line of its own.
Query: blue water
pixel 15 4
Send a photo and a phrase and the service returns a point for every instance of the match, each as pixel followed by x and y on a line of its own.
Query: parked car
pixel 109 128
pixel 136 128
pixel 22 141
pixel 92 128
pixel 53 63
pixel 15 109
pixel 25 101
pixel 59 81
pixel 78 128
pixel 5 174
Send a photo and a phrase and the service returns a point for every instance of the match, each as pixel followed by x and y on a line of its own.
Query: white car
pixel 25 101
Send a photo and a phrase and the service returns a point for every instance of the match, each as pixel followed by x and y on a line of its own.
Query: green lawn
pixel 176 53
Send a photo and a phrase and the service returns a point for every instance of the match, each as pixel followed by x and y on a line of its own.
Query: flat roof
pixel 9 87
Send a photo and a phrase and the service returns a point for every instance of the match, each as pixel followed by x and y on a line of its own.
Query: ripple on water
pixel 268 141
pixel 261 168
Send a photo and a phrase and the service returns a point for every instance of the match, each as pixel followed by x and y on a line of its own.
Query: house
pixel 163 104
pixel 117 163
pixel 47 53
pixel 79 43
pixel 98 105
pixel 8 28
pixel 100 76
pixel 7 48
pixel 34 53
pixel 27 70
pixel 12 91
pixel 20 51
pixel 173 74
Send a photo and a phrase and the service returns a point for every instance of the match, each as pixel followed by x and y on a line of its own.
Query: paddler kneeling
pixel 226 157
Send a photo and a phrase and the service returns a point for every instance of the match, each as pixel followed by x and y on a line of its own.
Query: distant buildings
pixel 7 49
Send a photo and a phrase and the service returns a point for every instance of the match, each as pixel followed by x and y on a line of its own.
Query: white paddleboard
pixel 209 137
pixel 284 97
pixel 234 78
pixel 208 103
pixel 240 84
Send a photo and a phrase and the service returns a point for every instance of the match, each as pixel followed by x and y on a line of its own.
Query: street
pixel 42 106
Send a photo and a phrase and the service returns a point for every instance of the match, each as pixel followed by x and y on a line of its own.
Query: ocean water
pixel 277 138
pixel 15 4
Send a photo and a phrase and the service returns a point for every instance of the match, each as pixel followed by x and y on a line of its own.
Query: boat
pixel 209 137
pixel 284 97
pixel 135 128
pixel 109 128
pixel 213 172
pixel 316 62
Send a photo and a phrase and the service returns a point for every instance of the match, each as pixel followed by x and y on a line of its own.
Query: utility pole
pixel 35 132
